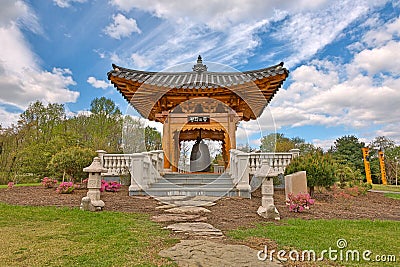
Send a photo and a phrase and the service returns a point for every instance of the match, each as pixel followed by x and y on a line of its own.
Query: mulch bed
pixel 229 213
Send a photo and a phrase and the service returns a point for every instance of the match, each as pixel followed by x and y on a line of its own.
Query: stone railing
pixel 276 161
pixel 242 165
pixel 144 167
pixel 219 169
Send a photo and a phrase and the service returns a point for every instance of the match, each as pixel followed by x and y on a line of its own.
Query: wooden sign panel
pixel 198 119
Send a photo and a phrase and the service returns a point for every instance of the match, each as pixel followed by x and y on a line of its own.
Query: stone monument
pixel 296 183
pixel 92 201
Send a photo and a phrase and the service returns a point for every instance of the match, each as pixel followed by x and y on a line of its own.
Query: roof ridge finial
pixel 199 67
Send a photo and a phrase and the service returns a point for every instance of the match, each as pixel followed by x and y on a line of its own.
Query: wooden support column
pixel 166 144
pixel 175 152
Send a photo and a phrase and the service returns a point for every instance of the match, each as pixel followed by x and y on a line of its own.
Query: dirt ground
pixel 229 213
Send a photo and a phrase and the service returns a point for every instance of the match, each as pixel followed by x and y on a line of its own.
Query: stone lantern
pixel 267 208
pixel 92 201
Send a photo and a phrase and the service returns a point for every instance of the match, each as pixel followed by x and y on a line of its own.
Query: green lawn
pixel 381 237
pixel 49 236
pixel 392 188
pixel 31 184
pixel 392 195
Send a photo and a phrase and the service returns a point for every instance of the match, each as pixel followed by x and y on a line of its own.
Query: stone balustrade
pixel 276 161
pixel 242 165
pixel 144 168
pixel 219 169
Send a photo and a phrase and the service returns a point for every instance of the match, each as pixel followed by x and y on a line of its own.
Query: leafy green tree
pixel 104 125
pixel 133 136
pixel 306 148
pixel 33 159
pixel 346 175
pixel 392 159
pixel 391 153
pixel 276 142
pixel 382 143
pixel 71 162
pixel 152 138
pixel 347 151
pixel 42 121
pixel 104 107
pixel 320 169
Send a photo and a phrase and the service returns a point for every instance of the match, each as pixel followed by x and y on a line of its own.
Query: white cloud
pixel 357 102
pixel 366 102
pixel 121 27
pixel 7 118
pixel 140 61
pixel 67 3
pixel 18 14
pixel 191 28
pixel 98 83
pixel 217 15
pixel 170 44
pixel 381 59
pixel 308 32
pixel 325 144
pixel 381 33
pixel 21 78
pixel 363 94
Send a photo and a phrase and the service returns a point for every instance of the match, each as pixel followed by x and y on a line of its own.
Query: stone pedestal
pixel 267 208
pixel 296 183
pixel 92 201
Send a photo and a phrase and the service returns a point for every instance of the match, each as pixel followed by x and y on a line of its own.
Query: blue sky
pixel 343 56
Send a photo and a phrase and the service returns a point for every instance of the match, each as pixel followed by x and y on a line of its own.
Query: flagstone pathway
pixel 203 246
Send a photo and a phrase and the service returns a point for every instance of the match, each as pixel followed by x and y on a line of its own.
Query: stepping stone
pixel 170 199
pixel 187 209
pixel 205 198
pixel 208 253
pixel 196 203
pixel 196 229
pixel 167 206
pixel 178 218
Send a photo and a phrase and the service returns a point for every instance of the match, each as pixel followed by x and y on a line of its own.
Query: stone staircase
pixel 189 184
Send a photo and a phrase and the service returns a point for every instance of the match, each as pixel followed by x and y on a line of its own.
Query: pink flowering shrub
pixel 103 185
pixel 48 183
pixel 299 202
pixel 112 186
pixel 10 185
pixel 65 188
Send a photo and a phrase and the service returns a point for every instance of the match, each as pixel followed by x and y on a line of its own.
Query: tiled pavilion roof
pixel 151 93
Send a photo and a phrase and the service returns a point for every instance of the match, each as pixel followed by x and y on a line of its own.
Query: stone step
pixel 194 175
pixel 190 185
pixel 190 178
pixel 194 181
pixel 194 191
